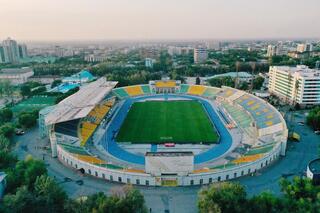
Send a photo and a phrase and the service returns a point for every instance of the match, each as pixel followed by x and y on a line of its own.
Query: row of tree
pixel 313 118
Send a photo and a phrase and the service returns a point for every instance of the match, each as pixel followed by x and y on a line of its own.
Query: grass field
pixel 34 103
pixel 167 121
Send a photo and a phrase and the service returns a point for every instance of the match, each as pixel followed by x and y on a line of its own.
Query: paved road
pixel 178 199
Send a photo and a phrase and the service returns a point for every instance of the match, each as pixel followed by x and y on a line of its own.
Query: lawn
pixel 167 121
pixel 34 103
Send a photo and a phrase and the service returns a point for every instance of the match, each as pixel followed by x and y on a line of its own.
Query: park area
pixel 160 122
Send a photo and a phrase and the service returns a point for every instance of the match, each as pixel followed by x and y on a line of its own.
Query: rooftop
pixel 169 154
pixel 301 70
pixel 13 71
pixel 81 103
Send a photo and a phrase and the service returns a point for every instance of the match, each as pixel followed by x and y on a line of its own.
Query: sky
pixel 46 20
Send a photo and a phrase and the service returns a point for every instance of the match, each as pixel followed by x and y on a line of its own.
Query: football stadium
pixel 164 133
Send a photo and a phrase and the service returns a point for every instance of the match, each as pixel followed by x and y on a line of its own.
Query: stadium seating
pixel 165 84
pixel 120 93
pixel 196 90
pixel 146 89
pixel 248 158
pixel 184 88
pixel 239 115
pixel 228 92
pixel 263 114
pixel 134 90
pixel 211 92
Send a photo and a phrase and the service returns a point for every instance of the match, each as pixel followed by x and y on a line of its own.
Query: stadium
pixel 164 133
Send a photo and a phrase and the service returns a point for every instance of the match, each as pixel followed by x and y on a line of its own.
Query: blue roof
pixel 84 74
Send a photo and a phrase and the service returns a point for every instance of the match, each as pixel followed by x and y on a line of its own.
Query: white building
pixel 16 75
pixel 149 62
pixel 274 50
pixel 11 51
pixel 295 84
pixel 23 52
pixel 200 55
pixel 304 47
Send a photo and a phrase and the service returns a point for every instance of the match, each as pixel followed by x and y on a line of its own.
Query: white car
pixel 317 132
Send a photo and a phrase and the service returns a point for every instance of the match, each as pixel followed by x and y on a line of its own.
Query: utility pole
pixel 253 68
pixel 236 83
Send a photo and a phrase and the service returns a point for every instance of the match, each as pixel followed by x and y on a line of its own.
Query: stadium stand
pixel 134 90
pixel 211 92
pixel 226 93
pixel 196 90
pixel 146 89
pixel 67 128
pixel 263 114
pixel 238 115
pixel 90 123
pixel 120 93
pixel 165 84
pixel 184 88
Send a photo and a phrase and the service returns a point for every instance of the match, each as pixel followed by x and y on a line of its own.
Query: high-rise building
pixel 295 84
pixel 149 62
pixel 272 50
pixel 11 50
pixel 23 52
pixel 304 47
pixel 2 56
pixel 200 55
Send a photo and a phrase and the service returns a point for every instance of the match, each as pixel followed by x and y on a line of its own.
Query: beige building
pixel 200 55
pixel 16 75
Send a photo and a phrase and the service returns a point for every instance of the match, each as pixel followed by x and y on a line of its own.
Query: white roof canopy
pixel 81 103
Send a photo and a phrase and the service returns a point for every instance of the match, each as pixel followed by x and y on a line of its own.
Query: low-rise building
pixel 295 85
pixel 16 76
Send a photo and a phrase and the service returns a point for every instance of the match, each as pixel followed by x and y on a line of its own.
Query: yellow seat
pixel 134 90
pixel 165 84
pixel 196 90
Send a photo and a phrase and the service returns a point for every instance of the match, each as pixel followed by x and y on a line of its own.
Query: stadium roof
pixel 81 103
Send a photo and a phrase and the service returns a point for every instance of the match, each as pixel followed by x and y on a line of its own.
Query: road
pixel 176 199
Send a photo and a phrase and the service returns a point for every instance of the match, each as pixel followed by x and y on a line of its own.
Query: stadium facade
pixel 83 130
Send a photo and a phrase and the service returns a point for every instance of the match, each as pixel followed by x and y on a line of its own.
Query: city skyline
pixel 157 20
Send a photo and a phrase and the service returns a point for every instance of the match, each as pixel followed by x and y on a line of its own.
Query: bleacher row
pixel 131 91
pixel 93 119
pixel 81 154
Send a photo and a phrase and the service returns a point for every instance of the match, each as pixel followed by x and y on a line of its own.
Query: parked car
pixel 301 123
pixel 317 132
pixel 19 132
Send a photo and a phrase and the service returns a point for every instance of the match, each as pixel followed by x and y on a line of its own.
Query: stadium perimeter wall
pixel 148 180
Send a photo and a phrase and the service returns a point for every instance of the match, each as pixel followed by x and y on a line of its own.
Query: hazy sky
pixel 158 19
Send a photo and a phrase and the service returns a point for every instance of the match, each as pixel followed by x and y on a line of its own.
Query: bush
pixel 28 119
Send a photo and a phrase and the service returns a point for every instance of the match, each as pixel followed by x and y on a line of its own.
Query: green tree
pixel 56 83
pixel 7 130
pixel 6 159
pixel 258 82
pixel 313 118
pixel 27 119
pixel 6 115
pixel 224 197
pixel 25 90
pixel 22 201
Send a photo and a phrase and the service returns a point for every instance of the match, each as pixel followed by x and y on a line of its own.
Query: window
pixel 249 171
pixel 242 173
pixel 191 182
pixel 219 178
pixel 89 171
pixel 147 182
pixel 138 182
pixel 261 165
pixel 210 180
pixel 119 179
pixel 227 177
pixel 235 175
pixel 96 173
pixel 76 166
pixel 111 178
pixel 201 181
pixel 104 176
pixel 128 180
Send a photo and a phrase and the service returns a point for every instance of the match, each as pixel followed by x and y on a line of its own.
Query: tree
pixel 25 90
pixel 313 118
pixel 7 130
pixel 27 119
pixel 258 82
pixel 6 159
pixel 198 80
pixel 224 197
pixel 4 143
pixel 22 201
pixel 5 115
pixel 56 83
pixel 50 196
pixel 222 81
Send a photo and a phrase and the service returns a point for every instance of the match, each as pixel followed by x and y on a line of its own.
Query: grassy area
pixel 167 121
pixel 34 103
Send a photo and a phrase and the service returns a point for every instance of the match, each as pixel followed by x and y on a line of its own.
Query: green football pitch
pixel 167 121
